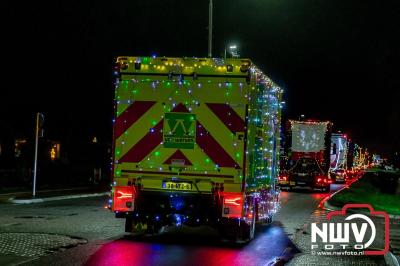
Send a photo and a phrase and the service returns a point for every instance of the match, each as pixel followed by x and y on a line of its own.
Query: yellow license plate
pixel 292 183
pixel 177 185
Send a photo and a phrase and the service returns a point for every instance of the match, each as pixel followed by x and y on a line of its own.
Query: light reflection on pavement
pixel 272 243
pixel 183 248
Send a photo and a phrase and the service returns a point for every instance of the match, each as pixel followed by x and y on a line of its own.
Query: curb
pixel 43 190
pixel 390 259
pixel 38 200
pixel 330 207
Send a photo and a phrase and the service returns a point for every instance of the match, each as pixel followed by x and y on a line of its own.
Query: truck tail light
pixel 123 198
pixel 232 204
pixel 283 178
pixel 233 201
pixel 323 180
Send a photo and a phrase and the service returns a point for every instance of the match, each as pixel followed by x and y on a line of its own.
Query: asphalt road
pixel 82 232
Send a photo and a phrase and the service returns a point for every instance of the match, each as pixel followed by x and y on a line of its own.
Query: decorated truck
pixel 308 151
pixel 196 142
pixel 338 157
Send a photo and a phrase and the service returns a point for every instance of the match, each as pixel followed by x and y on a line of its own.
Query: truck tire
pixel 252 228
pixel 151 230
pixel 238 233
pixel 128 224
pixel 247 231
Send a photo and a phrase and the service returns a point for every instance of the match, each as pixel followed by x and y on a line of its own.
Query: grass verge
pixel 379 189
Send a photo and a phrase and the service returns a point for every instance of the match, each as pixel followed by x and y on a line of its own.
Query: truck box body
pixel 338 157
pixel 339 148
pixel 308 151
pixel 194 140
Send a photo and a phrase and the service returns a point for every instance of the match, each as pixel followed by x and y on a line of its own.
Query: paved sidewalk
pixel 25 197
pixel 395 240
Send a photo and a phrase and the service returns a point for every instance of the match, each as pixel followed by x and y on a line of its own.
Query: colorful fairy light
pixel 265 106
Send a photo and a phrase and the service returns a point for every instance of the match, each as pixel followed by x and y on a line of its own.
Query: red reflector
pixel 123 198
pixel 232 204
pixel 282 178
pixel 123 195
pixel 233 201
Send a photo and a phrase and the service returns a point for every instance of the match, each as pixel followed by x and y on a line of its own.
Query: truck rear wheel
pixel 246 231
pixel 236 232
pixel 252 228
pixel 128 224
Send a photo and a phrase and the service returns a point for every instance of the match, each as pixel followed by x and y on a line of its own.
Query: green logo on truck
pixel 179 130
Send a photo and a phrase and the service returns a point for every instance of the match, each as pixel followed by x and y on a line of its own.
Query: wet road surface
pixel 107 244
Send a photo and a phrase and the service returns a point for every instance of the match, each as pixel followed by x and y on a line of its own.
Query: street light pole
pixel 39 125
pixel 36 152
pixel 210 26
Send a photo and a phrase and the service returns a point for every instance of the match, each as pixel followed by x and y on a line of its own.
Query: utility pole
pixel 210 26
pixel 39 124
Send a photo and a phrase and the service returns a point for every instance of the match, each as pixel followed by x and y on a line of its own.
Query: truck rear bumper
pixel 174 208
pixel 297 184
pixel 302 184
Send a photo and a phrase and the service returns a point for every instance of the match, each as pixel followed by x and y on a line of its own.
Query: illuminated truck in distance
pixel 196 142
pixel 338 157
pixel 308 151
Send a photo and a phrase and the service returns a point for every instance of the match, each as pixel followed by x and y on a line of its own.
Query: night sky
pixel 336 60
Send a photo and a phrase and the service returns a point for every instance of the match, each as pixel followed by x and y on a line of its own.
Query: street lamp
pixel 233 51
pixel 232 48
